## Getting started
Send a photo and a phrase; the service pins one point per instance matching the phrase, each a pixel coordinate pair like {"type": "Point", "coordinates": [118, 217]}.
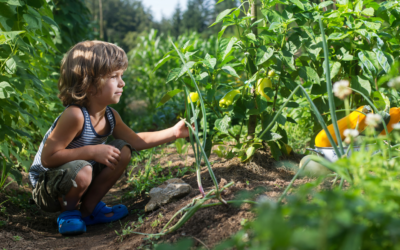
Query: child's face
{"type": "Point", "coordinates": [111, 91]}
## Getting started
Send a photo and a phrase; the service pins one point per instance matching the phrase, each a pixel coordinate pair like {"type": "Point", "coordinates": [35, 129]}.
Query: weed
{"type": "Point", "coordinates": [3, 223]}
{"type": "Point", "coordinates": [17, 238]}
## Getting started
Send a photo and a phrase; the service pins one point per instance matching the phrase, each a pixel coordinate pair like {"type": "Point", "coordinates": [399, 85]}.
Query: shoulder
{"type": "Point", "coordinates": [115, 113]}
{"type": "Point", "coordinates": [73, 116]}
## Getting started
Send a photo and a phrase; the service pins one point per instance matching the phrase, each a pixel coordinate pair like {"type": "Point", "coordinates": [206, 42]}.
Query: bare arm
{"type": "Point", "coordinates": [70, 125]}
{"type": "Point", "coordinates": [146, 140]}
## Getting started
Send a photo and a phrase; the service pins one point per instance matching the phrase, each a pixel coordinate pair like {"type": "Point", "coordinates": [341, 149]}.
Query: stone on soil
{"type": "Point", "coordinates": [171, 190]}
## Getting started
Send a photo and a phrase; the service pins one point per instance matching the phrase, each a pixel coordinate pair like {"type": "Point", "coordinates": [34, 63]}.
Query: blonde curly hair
{"type": "Point", "coordinates": [87, 64]}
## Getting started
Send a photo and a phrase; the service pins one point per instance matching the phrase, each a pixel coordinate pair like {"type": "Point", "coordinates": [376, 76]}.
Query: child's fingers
{"type": "Point", "coordinates": [113, 161]}
{"type": "Point", "coordinates": [117, 151]}
{"type": "Point", "coordinates": [110, 165]}
{"type": "Point", "coordinates": [117, 157]}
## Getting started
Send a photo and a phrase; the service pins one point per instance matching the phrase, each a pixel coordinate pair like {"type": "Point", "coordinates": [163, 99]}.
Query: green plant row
{"type": "Point", "coordinates": [33, 37]}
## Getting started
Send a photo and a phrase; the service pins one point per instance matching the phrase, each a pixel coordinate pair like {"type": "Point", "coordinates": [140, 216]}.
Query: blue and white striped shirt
{"type": "Point", "coordinates": [87, 137]}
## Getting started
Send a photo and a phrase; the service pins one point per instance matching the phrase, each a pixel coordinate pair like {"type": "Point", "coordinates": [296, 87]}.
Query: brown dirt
{"type": "Point", "coordinates": [29, 228]}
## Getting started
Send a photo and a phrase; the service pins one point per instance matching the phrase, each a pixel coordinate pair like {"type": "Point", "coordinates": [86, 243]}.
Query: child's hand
{"type": "Point", "coordinates": [180, 130]}
{"type": "Point", "coordinates": [107, 155]}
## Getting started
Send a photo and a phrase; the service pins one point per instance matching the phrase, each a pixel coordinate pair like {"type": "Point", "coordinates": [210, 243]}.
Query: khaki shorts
{"type": "Point", "coordinates": [58, 181]}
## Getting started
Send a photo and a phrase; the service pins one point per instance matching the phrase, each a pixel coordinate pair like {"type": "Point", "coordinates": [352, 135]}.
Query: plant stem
{"type": "Point", "coordinates": [332, 106]}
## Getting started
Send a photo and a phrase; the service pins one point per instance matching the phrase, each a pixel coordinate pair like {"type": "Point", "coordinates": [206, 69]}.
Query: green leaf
{"type": "Point", "coordinates": [252, 37]}
{"type": "Point", "coordinates": [10, 35]}
{"type": "Point", "coordinates": [35, 3]}
{"type": "Point", "coordinates": [361, 84]}
{"type": "Point", "coordinates": [186, 67]}
{"type": "Point", "coordinates": [368, 11]}
{"type": "Point", "coordinates": [366, 64]}
{"type": "Point", "coordinates": [264, 54]}
{"type": "Point", "coordinates": [221, 16]}
{"type": "Point", "coordinates": [173, 74]}
{"type": "Point", "coordinates": [309, 75]}
{"type": "Point", "coordinates": [12, 2]}
{"type": "Point", "coordinates": [275, 25]}
{"type": "Point", "coordinates": [11, 66]}
{"type": "Point", "coordinates": [209, 61]}
{"type": "Point", "coordinates": [161, 62]}
{"type": "Point", "coordinates": [298, 3]}
{"type": "Point", "coordinates": [335, 68]}
{"type": "Point", "coordinates": [379, 100]}
{"type": "Point", "coordinates": [168, 96]}
{"type": "Point", "coordinates": [275, 150]}
{"type": "Point", "coordinates": [382, 60]}
{"type": "Point", "coordinates": [32, 21]}
{"type": "Point", "coordinates": [16, 175]}
{"type": "Point", "coordinates": [50, 21]}
{"type": "Point", "coordinates": [338, 36]}
{"type": "Point", "coordinates": [228, 48]}
{"type": "Point", "coordinates": [324, 4]}
{"type": "Point", "coordinates": [5, 89]}
{"type": "Point", "coordinates": [223, 124]}
{"type": "Point", "coordinates": [271, 137]}
{"type": "Point", "coordinates": [230, 70]}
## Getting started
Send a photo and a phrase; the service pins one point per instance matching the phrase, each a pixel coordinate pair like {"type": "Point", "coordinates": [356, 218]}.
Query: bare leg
{"type": "Point", "coordinates": [103, 183]}
{"type": "Point", "coordinates": [83, 180]}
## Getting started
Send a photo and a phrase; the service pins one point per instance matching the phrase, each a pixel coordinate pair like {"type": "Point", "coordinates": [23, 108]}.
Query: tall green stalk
{"type": "Point", "coordinates": [332, 106]}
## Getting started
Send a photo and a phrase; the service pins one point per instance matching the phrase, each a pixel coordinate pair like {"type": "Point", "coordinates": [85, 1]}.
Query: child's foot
{"type": "Point", "coordinates": [104, 214]}
{"type": "Point", "coordinates": [70, 223]}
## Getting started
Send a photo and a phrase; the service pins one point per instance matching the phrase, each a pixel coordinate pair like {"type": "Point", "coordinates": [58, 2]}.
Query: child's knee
{"type": "Point", "coordinates": [126, 155]}
{"type": "Point", "coordinates": [84, 177]}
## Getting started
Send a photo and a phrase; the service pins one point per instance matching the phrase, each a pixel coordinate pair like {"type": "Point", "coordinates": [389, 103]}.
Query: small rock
{"type": "Point", "coordinates": [168, 192]}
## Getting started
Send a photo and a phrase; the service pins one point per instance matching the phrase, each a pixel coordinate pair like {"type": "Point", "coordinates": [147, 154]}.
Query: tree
{"type": "Point", "coordinates": [177, 21]}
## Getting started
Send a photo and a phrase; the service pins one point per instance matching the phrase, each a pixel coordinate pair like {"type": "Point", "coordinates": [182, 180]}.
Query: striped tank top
{"type": "Point", "coordinates": [87, 137]}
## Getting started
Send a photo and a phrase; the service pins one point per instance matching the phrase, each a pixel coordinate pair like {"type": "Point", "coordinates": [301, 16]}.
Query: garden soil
{"type": "Point", "coordinates": [27, 227]}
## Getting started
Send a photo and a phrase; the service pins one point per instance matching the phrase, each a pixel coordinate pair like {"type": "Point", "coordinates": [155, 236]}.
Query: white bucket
{"type": "Point", "coordinates": [330, 154]}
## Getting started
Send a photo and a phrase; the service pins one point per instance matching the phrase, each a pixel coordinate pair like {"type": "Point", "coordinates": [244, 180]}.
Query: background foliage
{"type": "Point", "coordinates": [33, 37]}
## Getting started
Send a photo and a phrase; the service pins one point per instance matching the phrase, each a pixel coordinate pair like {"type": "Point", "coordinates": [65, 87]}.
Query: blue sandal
{"type": "Point", "coordinates": [98, 214]}
{"type": "Point", "coordinates": [70, 223]}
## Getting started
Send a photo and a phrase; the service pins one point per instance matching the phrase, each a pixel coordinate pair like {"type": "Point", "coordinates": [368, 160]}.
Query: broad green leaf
{"type": "Point", "coordinates": [382, 60]}
{"type": "Point", "coordinates": [16, 175]}
{"type": "Point", "coordinates": [263, 54]}
{"type": "Point", "coordinates": [209, 61]}
{"type": "Point", "coordinates": [223, 124]}
{"type": "Point", "coordinates": [324, 4]}
{"type": "Point", "coordinates": [335, 68]}
{"type": "Point", "coordinates": [309, 75]}
{"type": "Point", "coordinates": [222, 31]}
{"type": "Point", "coordinates": [173, 74]}
{"type": "Point", "coordinates": [288, 60]}
{"type": "Point", "coordinates": [338, 36]}
{"type": "Point", "coordinates": [344, 55]}
{"type": "Point", "coordinates": [298, 3]}
{"type": "Point", "coordinates": [358, 6]}
{"type": "Point", "coordinates": [252, 37]}
{"type": "Point", "coordinates": [275, 150]}
{"type": "Point", "coordinates": [50, 21]}
{"type": "Point", "coordinates": [35, 3]}
{"type": "Point", "coordinates": [186, 67]}
{"type": "Point", "coordinates": [275, 25]}
{"type": "Point", "coordinates": [162, 61]}
{"type": "Point", "coordinates": [228, 49]}
{"type": "Point", "coordinates": [32, 21]}
{"type": "Point", "coordinates": [366, 64]}
{"type": "Point", "coordinates": [11, 66]}
{"type": "Point", "coordinates": [271, 137]}
{"type": "Point", "coordinates": [168, 96]}
{"type": "Point", "coordinates": [380, 100]}
{"type": "Point", "coordinates": [230, 70]}
{"type": "Point", "coordinates": [221, 16]}
{"type": "Point", "coordinates": [5, 89]}
{"type": "Point", "coordinates": [361, 84]}
{"type": "Point", "coordinates": [368, 11]}
{"type": "Point", "coordinates": [373, 25]}
{"type": "Point", "coordinates": [11, 34]}
{"type": "Point", "coordinates": [12, 2]}
{"type": "Point", "coordinates": [272, 16]}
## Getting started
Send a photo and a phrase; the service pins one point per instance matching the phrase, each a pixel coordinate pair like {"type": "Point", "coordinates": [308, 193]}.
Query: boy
{"type": "Point", "coordinates": [73, 163]}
